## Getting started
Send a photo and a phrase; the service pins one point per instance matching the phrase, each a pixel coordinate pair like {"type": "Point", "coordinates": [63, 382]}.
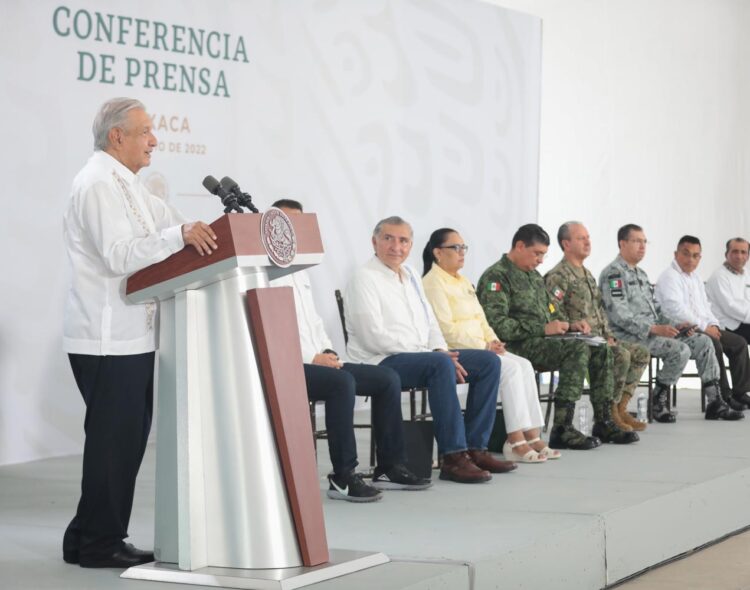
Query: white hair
{"type": "Point", "coordinates": [393, 220]}
{"type": "Point", "coordinates": [113, 113]}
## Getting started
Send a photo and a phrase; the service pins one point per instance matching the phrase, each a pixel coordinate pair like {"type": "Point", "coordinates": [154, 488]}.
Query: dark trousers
{"type": "Point", "coordinates": [742, 330]}
{"type": "Point", "coordinates": [118, 393]}
{"type": "Point", "coordinates": [337, 388]}
{"type": "Point", "coordinates": [735, 347]}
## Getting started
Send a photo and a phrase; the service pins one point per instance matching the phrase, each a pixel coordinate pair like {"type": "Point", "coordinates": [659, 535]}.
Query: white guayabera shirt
{"type": "Point", "coordinates": [113, 227]}
{"type": "Point", "coordinates": [312, 334]}
{"type": "Point", "coordinates": [729, 293]}
{"type": "Point", "coordinates": [387, 314]}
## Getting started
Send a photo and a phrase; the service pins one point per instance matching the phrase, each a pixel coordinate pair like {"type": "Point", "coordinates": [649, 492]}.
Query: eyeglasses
{"type": "Point", "coordinates": [457, 248]}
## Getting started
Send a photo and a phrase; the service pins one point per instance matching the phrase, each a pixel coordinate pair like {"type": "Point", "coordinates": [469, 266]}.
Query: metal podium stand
{"type": "Point", "coordinates": [237, 493]}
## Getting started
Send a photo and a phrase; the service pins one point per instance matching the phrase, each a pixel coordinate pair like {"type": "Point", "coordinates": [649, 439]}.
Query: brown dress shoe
{"type": "Point", "coordinates": [458, 467]}
{"type": "Point", "coordinates": [485, 460]}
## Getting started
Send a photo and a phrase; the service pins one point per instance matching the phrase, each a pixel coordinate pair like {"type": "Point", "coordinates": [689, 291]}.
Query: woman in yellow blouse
{"type": "Point", "coordinates": [464, 325]}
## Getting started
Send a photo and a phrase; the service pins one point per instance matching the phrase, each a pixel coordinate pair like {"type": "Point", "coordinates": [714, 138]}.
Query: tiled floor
{"type": "Point", "coordinates": [724, 566]}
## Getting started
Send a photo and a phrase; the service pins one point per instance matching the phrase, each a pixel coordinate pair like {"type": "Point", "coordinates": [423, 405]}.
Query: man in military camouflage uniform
{"type": "Point", "coordinates": [634, 315]}
{"type": "Point", "coordinates": [580, 300]}
{"type": "Point", "coordinates": [522, 314]}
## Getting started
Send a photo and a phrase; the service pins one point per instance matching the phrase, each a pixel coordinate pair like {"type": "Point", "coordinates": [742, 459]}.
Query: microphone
{"type": "Point", "coordinates": [243, 199]}
{"type": "Point", "coordinates": [228, 199]}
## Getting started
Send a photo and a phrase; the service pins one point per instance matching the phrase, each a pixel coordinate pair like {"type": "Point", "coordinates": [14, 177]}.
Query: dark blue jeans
{"type": "Point", "coordinates": [436, 371]}
{"type": "Point", "coordinates": [337, 388]}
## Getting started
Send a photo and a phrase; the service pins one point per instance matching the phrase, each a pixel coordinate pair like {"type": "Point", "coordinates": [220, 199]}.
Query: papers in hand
{"type": "Point", "coordinates": [587, 338]}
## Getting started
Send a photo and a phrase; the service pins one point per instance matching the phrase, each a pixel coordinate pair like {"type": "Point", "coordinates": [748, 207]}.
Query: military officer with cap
{"type": "Point", "coordinates": [520, 311]}
{"type": "Point", "coordinates": [635, 316]}
{"type": "Point", "coordinates": [579, 298]}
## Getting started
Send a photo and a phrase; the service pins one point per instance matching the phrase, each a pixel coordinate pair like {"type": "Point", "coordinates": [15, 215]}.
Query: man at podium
{"type": "Point", "coordinates": [337, 383]}
{"type": "Point", "coordinates": [113, 227]}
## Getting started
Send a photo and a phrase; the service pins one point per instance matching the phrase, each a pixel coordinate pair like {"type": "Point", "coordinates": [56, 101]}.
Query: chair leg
{"type": "Point", "coordinates": [372, 439]}
{"type": "Point", "coordinates": [313, 421]}
{"type": "Point", "coordinates": [412, 404]}
{"type": "Point", "coordinates": [650, 408]}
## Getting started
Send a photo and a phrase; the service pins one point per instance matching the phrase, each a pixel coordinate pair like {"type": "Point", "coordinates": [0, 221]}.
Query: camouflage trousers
{"type": "Point", "coordinates": [629, 362]}
{"type": "Point", "coordinates": [675, 353]}
{"type": "Point", "coordinates": [574, 360]}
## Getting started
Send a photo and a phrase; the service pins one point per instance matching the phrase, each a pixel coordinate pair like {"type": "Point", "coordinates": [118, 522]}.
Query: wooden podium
{"type": "Point", "coordinates": [238, 500]}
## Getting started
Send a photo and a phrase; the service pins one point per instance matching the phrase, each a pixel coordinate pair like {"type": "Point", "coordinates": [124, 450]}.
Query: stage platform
{"type": "Point", "coordinates": [583, 522]}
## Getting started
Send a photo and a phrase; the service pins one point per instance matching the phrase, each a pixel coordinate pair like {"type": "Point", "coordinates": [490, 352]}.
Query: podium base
{"type": "Point", "coordinates": [342, 562]}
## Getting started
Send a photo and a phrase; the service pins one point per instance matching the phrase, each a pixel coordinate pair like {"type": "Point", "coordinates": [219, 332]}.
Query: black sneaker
{"type": "Point", "coordinates": [352, 488]}
{"type": "Point", "coordinates": [398, 477]}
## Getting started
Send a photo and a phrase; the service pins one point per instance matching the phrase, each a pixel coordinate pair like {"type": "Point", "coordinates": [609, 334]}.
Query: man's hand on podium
{"type": "Point", "coordinates": [200, 236]}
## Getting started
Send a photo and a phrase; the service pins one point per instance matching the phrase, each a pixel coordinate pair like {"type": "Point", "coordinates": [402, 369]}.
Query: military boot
{"type": "Point", "coordinates": [618, 419]}
{"type": "Point", "coordinates": [622, 409]}
{"type": "Point", "coordinates": [564, 436]}
{"type": "Point", "coordinates": [661, 412]}
{"type": "Point", "coordinates": [717, 408]}
{"type": "Point", "coordinates": [607, 431]}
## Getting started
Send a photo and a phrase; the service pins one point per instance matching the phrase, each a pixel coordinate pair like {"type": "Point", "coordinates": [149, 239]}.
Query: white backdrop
{"type": "Point", "coordinates": [360, 110]}
{"type": "Point", "coordinates": [645, 119]}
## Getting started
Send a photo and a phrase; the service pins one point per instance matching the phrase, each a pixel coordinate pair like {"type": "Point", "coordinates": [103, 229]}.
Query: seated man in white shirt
{"type": "Point", "coordinates": [728, 289]}
{"type": "Point", "coordinates": [391, 324]}
{"type": "Point", "coordinates": [337, 383]}
{"type": "Point", "coordinates": [682, 296]}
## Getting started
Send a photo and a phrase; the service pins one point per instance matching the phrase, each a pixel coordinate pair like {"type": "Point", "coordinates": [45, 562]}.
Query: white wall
{"type": "Point", "coordinates": [644, 120]}
{"type": "Point", "coordinates": [359, 109]}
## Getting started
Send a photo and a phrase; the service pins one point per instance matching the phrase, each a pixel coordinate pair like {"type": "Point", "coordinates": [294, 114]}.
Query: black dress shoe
{"type": "Point", "coordinates": [123, 556]}
{"type": "Point", "coordinates": [735, 404]}
{"type": "Point", "coordinates": [70, 555]}
{"type": "Point", "coordinates": [742, 398]}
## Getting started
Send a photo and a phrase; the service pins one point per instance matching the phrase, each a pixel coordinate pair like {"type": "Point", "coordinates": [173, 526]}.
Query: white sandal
{"type": "Point", "coordinates": [546, 452]}
{"type": "Point", "coordinates": [530, 456]}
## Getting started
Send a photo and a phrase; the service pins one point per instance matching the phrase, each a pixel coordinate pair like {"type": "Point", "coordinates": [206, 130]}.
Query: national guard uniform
{"type": "Point", "coordinates": [579, 298]}
{"type": "Point", "coordinates": [631, 308]}
{"type": "Point", "coordinates": [518, 307]}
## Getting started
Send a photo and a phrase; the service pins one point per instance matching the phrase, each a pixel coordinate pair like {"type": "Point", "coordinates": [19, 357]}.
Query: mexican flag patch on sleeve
{"type": "Point", "coordinates": [615, 283]}
{"type": "Point", "coordinates": [494, 286]}
{"type": "Point", "coordinates": [558, 293]}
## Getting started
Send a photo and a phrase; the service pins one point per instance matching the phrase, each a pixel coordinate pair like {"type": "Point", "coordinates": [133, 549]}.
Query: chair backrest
{"type": "Point", "coordinates": [340, 304]}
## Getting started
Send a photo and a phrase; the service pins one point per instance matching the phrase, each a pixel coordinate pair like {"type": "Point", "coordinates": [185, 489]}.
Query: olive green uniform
{"type": "Point", "coordinates": [518, 306]}
{"type": "Point", "coordinates": [579, 298]}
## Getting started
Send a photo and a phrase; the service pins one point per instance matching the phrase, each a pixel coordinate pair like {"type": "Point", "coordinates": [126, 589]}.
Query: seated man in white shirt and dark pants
{"type": "Point", "coordinates": [681, 294]}
{"type": "Point", "coordinates": [337, 384]}
{"type": "Point", "coordinates": [728, 289]}
{"type": "Point", "coordinates": [391, 324]}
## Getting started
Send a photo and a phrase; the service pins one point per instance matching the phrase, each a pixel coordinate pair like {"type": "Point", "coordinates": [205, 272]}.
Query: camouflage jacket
{"type": "Point", "coordinates": [629, 300]}
{"type": "Point", "coordinates": [578, 296]}
{"type": "Point", "coordinates": [515, 301]}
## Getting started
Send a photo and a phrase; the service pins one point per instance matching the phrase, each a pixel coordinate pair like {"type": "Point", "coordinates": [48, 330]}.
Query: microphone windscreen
{"type": "Point", "coordinates": [211, 184]}
{"type": "Point", "coordinates": [228, 184]}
